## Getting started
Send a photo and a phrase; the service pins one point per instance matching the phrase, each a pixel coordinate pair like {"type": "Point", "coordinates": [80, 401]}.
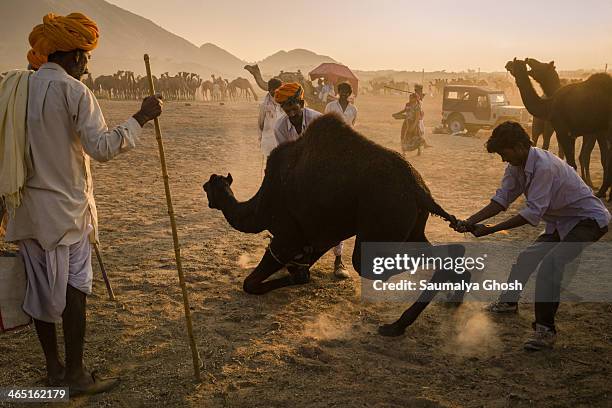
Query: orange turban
{"type": "Point", "coordinates": [59, 33]}
{"type": "Point", "coordinates": [291, 90]}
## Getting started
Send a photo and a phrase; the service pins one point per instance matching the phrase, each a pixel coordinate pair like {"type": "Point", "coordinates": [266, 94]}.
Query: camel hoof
{"type": "Point", "coordinates": [391, 330]}
{"type": "Point", "coordinates": [301, 276]}
{"type": "Point", "coordinates": [454, 299]}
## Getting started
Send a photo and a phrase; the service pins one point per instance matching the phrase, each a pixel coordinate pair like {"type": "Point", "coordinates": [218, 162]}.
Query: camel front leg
{"type": "Point", "coordinates": [588, 143]}
{"type": "Point", "coordinates": [567, 145]}
{"type": "Point", "coordinates": [256, 283]}
{"type": "Point", "coordinates": [547, 133]}
{"type": "Point", "coordinates": [605, 146]}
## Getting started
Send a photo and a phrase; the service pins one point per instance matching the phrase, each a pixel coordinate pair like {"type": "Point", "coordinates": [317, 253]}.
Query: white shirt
{"type": "Point", "coordinates": [554, 192]}
{"type": "Point", "coordinates": [65, 127]}
{"type": "Point", "coordinates": [269, 113]}
{"type": "Point", "coordinates": [285, 131]}
{"type": "Point", "coordinates": [349, 115]}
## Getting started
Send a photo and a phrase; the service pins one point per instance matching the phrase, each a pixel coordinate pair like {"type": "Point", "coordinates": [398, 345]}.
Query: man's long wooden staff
{"type": "Point", "coordinates": [177, 249]}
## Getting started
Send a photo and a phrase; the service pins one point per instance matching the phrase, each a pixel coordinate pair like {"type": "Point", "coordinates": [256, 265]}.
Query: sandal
{"type": "Point", "coordinates": [97, 386]}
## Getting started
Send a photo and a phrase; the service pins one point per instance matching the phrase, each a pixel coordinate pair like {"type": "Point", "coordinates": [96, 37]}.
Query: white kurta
{"type": "Point", "coordinates": [65, 128]}
{"type": "Point", "coordinates": [349, 115]}
{"type": "Point", "coordinates": [285, 131]}
{"type": "Point", "coordinates": [269, 113]}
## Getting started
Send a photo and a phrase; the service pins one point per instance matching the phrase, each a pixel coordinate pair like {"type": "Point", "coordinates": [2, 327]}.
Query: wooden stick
{"type": "Point", "coordinates": [396, 89]}
{"type": "Point", "coordinates": [177, 249]}
{"type": "Point", "coordinates": [109, 288]}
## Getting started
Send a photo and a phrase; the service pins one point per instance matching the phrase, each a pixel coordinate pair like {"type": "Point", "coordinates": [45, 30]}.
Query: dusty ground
{"type": "Point", "coordinates": [310, 346]}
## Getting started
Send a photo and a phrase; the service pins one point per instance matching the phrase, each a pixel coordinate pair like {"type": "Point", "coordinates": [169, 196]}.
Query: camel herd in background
{"type": "Point", "coordinates": [436, 86]}
{"type": "Point", "coordinates": [190, 86]}
{"type": "Point", "coordinates": [182, 86]}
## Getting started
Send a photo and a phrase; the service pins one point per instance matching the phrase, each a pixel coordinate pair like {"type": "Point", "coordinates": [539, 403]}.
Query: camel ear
{"type": "Point", "coordinates": [552, 64]}
{"type": "Point", "coordinates": [229, 178]}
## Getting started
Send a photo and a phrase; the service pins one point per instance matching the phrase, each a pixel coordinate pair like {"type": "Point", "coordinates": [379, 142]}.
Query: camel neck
{"type": "Point", "coordinates": [551, 85]}
{"type": "Point", "coordinates": [242, 215]}
{"type": "Point", "coordinates": [534, 104]}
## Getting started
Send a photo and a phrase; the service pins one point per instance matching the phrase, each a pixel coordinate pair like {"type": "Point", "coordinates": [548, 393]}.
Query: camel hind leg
{"type": "Point", "coordinates": [416, 235]}
{"type": "Point", "coordinates": [410, 315]}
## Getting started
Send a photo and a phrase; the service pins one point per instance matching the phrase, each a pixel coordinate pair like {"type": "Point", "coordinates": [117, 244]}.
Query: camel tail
{"type": "Point", "coordinates": [426, 200]}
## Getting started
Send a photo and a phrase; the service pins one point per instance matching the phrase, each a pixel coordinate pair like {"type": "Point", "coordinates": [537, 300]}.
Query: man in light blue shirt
{"type": "Point", "coordinates": [555, 194]}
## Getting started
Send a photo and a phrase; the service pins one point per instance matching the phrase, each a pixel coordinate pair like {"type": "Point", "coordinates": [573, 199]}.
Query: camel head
{"type": "Point", "coordinates": [540, 70]}
{"type": "Point", "coordinates": [517, 67]}
{"type": "Point", "coordinates": [216, 188]}
{"type": "Point", "coordinates": [253, 69]}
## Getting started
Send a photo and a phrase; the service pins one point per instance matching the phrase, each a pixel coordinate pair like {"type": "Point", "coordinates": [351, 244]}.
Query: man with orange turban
{"type": "Point", "coordinates": [57, 220]}
{"type": "Point", "coordinates": [290, 127]}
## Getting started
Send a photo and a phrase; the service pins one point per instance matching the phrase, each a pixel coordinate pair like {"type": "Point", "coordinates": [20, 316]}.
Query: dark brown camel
{"type": "Point", "coordinates": [545, 74]}
{"type": "Point", "coordinates": [582, 108]}
{"type": "Point", "coordinates": [324, 188]}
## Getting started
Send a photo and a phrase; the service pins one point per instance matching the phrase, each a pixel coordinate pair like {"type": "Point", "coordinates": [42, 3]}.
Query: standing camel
{"type": "Point", "coordinates": [545, 74]}
{"type": "Point", "coordinates": [207, 90]}
{"type": "Point", "coordinates": [577, 109]}
{"type": "Point", "coordinates": [245, 87]}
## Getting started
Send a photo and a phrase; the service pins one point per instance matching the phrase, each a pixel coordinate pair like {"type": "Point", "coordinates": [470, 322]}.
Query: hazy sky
{"type": "Point", "coordinates": [396, 34]}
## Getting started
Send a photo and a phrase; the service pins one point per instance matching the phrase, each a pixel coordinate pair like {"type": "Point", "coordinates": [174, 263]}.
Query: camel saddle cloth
{"type": "Point", "coordinates": [12, 292]}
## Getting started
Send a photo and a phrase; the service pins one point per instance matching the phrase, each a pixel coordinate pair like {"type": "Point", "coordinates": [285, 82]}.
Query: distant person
{"type": "Point", "coordinates": [326, 91]}
{"type": "Point", "coordinates": [319, 86]}
{"type": "Point", "coordinates": [348, 112]}
{"type": "Point", "coordinates": [291, 127]}
{"type": "Point", "coordinates": [52, 214]}
{"type": "Point", "coordinates": [554, 193]}
{"type": "Point", "coordinates": [342, 106]}
{"type": "Point", "coordinates": [269, 113]}
{"type": "Point", "coordinates": [418, 90]}
{"type": "Point", "coordinates": [411, 134]}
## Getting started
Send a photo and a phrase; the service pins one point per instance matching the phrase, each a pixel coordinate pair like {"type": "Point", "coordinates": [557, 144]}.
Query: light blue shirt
{"type": "Point", "coordinates": [554, 193]}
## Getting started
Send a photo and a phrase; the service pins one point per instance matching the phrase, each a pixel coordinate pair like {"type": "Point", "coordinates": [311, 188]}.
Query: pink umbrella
{"type": "Point", "coordinates": [335, 73]}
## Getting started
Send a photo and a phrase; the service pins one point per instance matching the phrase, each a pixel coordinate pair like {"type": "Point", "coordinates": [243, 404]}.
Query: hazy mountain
{"type": "Point", "coordinates": [125, 36]}
{"type": "Point", "coordinates": [218, 57]}
{"type": "Point", "coordinates": [293, 60]}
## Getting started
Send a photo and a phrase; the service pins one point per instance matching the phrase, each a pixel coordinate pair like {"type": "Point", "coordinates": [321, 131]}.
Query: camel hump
{"type": "Point", "coordinates": [331, 124]}
{"type": "Point", "coordinates": [602, 81]}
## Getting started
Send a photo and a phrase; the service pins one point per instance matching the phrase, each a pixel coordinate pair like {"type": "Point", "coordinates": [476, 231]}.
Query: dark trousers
{"type": "Point", "coordinates": [552, 259]}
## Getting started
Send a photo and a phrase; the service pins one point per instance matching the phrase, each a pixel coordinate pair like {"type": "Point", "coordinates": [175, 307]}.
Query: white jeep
{"type": "Point", "coordinates": [472, 108]}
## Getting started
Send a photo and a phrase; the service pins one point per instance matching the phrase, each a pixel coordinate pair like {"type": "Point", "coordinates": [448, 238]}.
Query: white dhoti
{"type": "Point", "coordinates": [268, 141]}
{"type": "Point", "coordinates": [50, 272]}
